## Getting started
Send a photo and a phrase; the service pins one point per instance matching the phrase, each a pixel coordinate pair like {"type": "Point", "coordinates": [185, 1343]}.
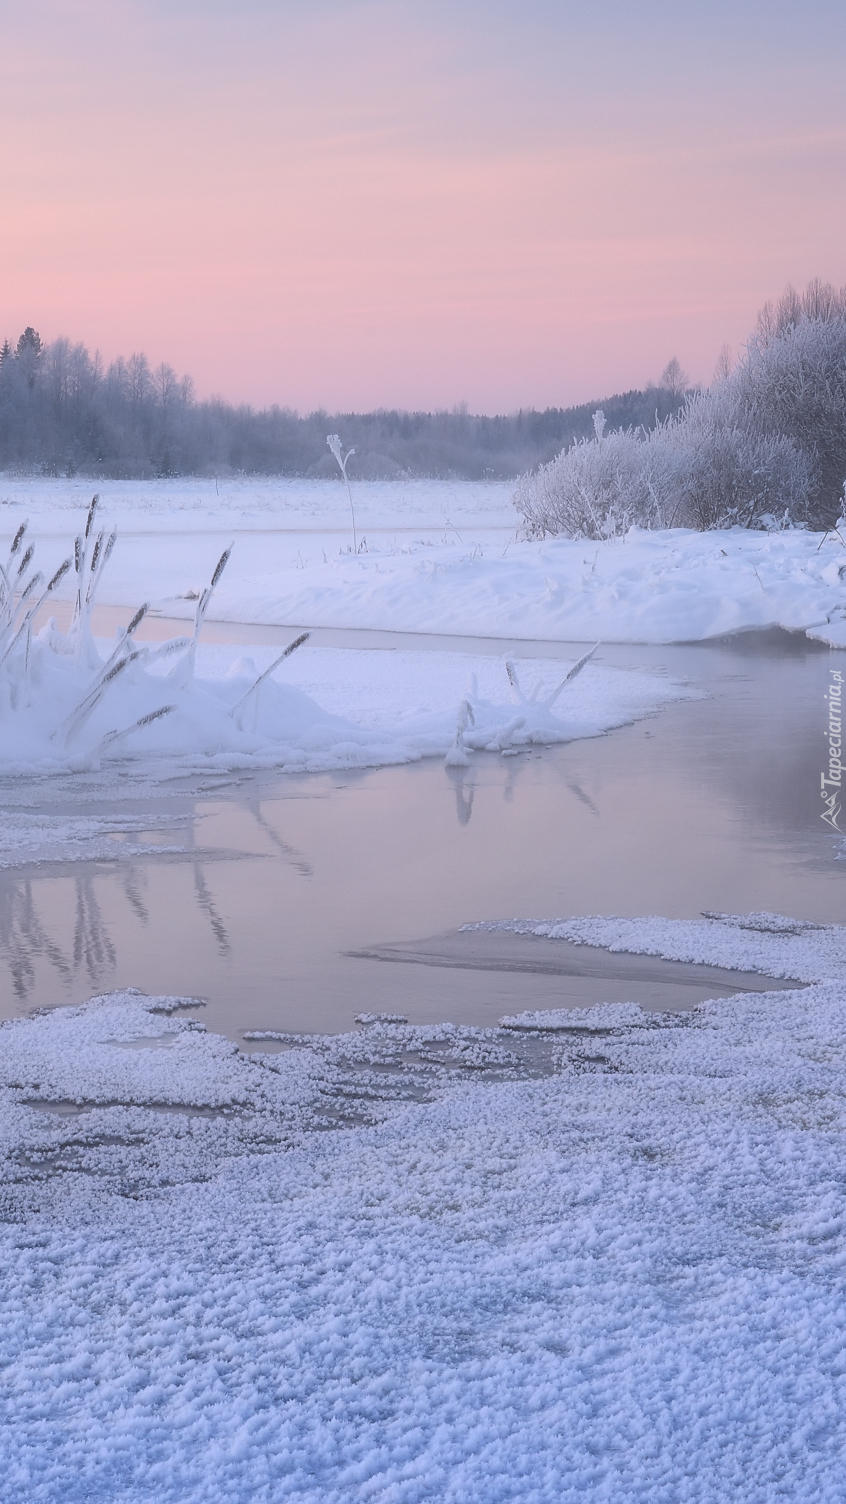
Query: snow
{"type": "Point", "coordinates": [411, 1264]}
{"type": "Point", "coordinates": [388, 708]}
{"type": "Point", "coordinates": [188, 503]}
{"type": "Point", "coordinates": [671, 586]}
{"type": "Point", "coordinates": [438, 557]}
{"type": "Point", "coordinates": [40, 836]}
{"type": "Point", "coordinates": [770, 943]}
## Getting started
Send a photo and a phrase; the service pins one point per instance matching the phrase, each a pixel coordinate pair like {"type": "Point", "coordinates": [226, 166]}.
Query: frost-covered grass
{"type": "Point", "coordinates": [69, 702]}
{"type": "Point", "coordinates": [437, 1264]}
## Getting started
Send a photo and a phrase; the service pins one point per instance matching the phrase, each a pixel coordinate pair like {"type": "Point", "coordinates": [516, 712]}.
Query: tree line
{"type": "Point", "coordinates": [64, 412]}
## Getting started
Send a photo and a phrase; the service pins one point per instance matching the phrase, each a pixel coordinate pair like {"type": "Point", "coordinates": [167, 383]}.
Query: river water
{"type": "Point", "coordinates": [712, 804]}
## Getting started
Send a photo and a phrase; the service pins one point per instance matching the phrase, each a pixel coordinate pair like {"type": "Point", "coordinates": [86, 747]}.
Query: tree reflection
{"type": "Point", "coordinates": [92, 944]}
{"type": "Point", "coordinates": [24, 940]}
{"type": "Point", "coordinates": [206, 904]}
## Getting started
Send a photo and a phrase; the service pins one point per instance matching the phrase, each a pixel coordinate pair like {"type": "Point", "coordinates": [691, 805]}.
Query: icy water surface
{"type": "Point", "coordinates": [266, 886]}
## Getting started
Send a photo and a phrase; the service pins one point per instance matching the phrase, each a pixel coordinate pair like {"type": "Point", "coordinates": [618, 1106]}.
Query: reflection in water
{"type": "Point", "coordinates": [465, 788]}
{"type": "Point", "coordinates": [582, 797]}
{"type": "Point", "coordinates": [131, 880]}
{"type": "Point", "coordinates": [92, 952]}
{"type": "Point", "coordinates": [296, 858]}
{"type": "Point", "coordinates": [205, 903]}
{"type": "Point", "coordinates": [464, 783]}
{"type": "Point", "coordinates": [24, 939]}
{"type": "Point", "coordinates": [92, 944]}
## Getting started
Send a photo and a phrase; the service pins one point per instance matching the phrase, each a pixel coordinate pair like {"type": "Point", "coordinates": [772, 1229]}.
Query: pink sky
{"type": "Point", "coordinates": [350, 205]}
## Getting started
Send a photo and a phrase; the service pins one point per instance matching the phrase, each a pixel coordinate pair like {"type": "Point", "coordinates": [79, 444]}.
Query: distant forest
{"type": "Point", "coordinates": [62, 412]}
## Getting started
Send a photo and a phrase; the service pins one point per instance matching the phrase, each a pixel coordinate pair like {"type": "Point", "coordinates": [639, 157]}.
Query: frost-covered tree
{"type": "Point", "coordinates": [766, 443]}
{"type": "Point", "coordinates": [792, 384]}
{"type": "Point", "coordinates": [29, 353]}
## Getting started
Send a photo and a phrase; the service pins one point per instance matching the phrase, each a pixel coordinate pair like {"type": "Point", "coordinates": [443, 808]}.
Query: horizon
{"type": "Point", "coordinates": [355, 207]}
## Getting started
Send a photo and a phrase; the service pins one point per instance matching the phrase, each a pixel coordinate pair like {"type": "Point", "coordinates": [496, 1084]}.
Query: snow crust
{"type": "Point", "coordinates": [41, 836]}
{"type": "Point", "coordinates": [413, 1264]}
{"type": "Point", "coordinates": [770, 943]}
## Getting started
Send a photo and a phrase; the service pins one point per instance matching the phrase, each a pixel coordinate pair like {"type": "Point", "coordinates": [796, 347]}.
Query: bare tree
{"type": "Point", "coordinates": [674, 379]}
{"type": "Point", "coordinates": [725, 363]}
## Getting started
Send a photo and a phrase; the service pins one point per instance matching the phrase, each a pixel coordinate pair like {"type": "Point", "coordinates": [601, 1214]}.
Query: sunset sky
{"type": "Point", "coordinates": [418, 203]}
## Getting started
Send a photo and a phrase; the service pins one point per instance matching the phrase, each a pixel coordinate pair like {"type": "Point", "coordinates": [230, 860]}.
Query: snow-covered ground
{"type": "Point", "coordinates": [601, 1261]}
{"type": "Point", "coordinates": [273, 502]}
{"type": "Point", "coordinates": [677, 586]}
{"type": "Point", "coordinates": [438, 557]}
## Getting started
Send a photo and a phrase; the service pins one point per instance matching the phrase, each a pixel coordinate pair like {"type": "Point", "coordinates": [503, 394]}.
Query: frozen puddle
{"type": "Point", "coordinates": [576, 976]}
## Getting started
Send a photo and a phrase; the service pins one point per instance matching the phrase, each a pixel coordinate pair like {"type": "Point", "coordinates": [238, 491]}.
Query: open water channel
{"type": "Point", "coordinates": [298, 902]}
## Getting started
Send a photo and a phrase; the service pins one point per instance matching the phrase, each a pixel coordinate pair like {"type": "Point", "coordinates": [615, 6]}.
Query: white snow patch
{"type": "Point", "coordinates": [622, 1279]}
{"type": "Point", "coordinates": [386, 708]}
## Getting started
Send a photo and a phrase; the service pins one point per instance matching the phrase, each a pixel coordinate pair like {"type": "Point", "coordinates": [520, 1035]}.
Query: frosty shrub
{"type": "Point", "coordinates": [766, 445]}
{"type": "Point", "coordinates": [792, 383]}
{"type": "Point", "coordinates": [728, 475]}
{"type": "Point", "coordinates": [601, 487]}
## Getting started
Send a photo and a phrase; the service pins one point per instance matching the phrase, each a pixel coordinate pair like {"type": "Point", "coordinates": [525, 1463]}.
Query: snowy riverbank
{"type": "Point", "coordinates": [437, 557]}
{"type": "Point", "coordinates": [432, 1263]}
{"type": "Point", "coordinates": [67, 703]}
{"type": "Point", "coordinates": [675, 586]}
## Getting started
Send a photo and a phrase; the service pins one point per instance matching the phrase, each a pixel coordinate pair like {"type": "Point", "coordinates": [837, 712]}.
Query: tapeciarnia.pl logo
{"type": "Point", "coordinates": [830, 782]}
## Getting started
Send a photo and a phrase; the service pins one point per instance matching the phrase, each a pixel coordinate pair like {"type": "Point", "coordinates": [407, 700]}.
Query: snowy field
{"type": "Point", "coordinates": [589, 1255]}
{"type": "Point", "coordinates": [437, 557]}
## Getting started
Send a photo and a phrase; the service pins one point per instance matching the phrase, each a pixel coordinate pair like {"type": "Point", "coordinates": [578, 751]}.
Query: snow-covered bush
{"type": "Point", "coordinates": [723, 472]}
{"type": "Point", "coordinates": [768, 440]}
{"type": "Point", "coordinates": [601, 487]}
{"type": "Point", "coordinates": [792, 384]}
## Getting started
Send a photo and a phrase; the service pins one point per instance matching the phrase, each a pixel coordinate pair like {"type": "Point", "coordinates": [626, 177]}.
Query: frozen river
{"type": "Point", "coordinates": [275, 881]}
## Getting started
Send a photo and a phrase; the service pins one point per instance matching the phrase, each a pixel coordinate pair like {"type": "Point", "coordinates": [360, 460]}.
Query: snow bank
{"type": "Point", "coordinates": [656, 587]}
{"type": "Point", "coordinates": [161, 711]}
{"type": "Point", "coordinates": [440, 1264]}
